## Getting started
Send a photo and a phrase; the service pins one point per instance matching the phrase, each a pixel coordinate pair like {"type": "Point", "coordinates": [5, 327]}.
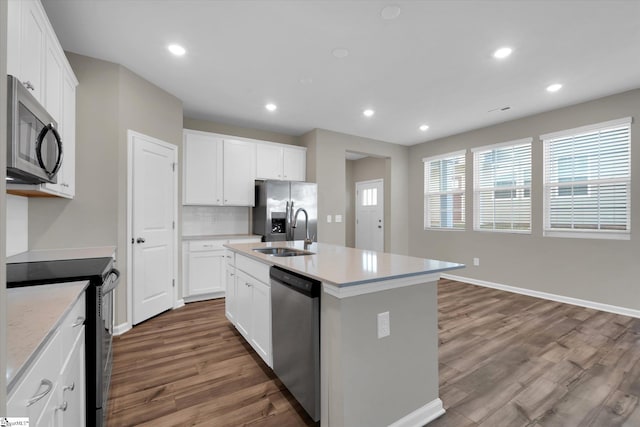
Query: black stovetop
{"type": "Point", "coordinates": [44, 272]}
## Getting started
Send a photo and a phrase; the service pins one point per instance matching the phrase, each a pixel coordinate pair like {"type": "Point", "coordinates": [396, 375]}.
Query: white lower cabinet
{"type": "Point", "coordinates": [52, 391]}
{"type": "Point", "coordinates": [250, 307]}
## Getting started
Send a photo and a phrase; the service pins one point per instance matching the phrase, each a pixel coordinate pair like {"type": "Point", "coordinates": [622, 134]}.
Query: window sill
{"type": "Point", "coordinates": [577, 234]}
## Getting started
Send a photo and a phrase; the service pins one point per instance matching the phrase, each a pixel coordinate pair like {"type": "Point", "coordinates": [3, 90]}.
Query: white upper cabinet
{"type": "Point", "coordinates": [295, 164]}
{"type": "Point", "coordinates": [202, 169]}
{"type": "Point", "coordinates": [26, 39]}
{"type": "Point", "coordinates": [239, 172]}
{"type": "Point", "coordinates": [278, 161]}
{"type": "Point", "coordinates": [218, 171]}
{"type": "Point", "coordinates": [35, 57]}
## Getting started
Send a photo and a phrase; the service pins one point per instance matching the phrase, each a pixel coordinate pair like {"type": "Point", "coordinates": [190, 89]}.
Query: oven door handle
{"type": "Point", "coordinates": [111, 285]}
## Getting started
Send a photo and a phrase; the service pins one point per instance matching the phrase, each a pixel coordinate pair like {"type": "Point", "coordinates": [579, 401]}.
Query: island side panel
{"type": "Point", "coordinates": [376, 382]}
{"type": "Point", "coordinates": [331, 375]}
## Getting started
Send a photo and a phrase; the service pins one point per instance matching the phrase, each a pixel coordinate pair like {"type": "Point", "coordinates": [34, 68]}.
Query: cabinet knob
{"type": "Point", "coordinates": [69, 387]}
{"type": "Point", "coordinates": [140, 240]}
{"type": "Point", "coordinates": [62, 407]}
{"type": "Point", "coordinates": [29, 85]}
{"type": "Point", "coordinates": [79, 321]}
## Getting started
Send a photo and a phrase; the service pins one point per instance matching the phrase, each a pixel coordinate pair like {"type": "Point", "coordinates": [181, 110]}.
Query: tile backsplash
{"type": "Point", "coordinates": [212, 220]}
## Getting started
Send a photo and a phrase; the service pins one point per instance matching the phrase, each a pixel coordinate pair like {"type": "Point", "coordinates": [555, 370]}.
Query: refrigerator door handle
{"type": "Point", "coordinates": [287, 226]}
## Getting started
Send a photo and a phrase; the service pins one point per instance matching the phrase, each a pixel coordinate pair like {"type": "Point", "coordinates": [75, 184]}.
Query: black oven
{"type": "Point", "coordinates": [103, 279]}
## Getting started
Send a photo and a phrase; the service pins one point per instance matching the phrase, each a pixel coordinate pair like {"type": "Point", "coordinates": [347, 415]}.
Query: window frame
{"type": "Point", "coordinates": [520, 191]}
{"type": "Point", "coordinates": [426, 214]}
{"type": "Point", "coordinates": [546, 139]}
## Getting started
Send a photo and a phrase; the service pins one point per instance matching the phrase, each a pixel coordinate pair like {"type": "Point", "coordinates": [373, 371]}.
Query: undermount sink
{"type": "Point", "coordinates": [283, 251]}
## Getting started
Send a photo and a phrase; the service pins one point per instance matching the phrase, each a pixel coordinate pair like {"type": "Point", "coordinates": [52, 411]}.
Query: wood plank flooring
{"type": "Point", "coordinates": [190, 367]}
{"type": "Point", "coordinates": [505, 360]}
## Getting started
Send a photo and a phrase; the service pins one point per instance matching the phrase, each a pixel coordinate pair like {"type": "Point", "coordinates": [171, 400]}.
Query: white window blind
{"type": "Point", "coordinates": [502, 187]}
{"type": "Point", "coordinates": [444, 185]}
{"type": "Point", "coordinates": [587, 181]}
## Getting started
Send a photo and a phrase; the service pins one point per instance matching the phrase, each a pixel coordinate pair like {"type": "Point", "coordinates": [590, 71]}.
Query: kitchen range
{"type": "Point", "coordinates": [26, 270]}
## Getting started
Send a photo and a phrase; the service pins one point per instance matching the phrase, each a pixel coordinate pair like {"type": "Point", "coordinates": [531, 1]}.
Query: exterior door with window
{"type": "Point", "coordinates": [370, 215]}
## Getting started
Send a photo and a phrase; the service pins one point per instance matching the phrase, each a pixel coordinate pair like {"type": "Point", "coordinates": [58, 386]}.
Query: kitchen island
{"type": "Point", "coordinates": [366, 380]}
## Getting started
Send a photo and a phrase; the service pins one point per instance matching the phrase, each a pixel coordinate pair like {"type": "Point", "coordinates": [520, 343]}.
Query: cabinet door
{"type": "Point", "coordinates": [68, 131]}
{"type": "Point", "coordinates": [243, 305]}
{"type": "Point", "coordinates": [202, 170]}
{"type": "Point", "coordinates": [230, 295]}
{"type": "Point", "coordinates": [295, 164]}
{"type": "Point", "coordinates": [261, 320]}
{"type": "Point", "coordinates": [32, 46]}
{"type": "Point", "coordinates": [72, 383]}
{"type": "Point", "coordinates": [268, 161]}
{"type": "Point", "coordinates": [239, 172]}
{"type": "Point", "coordinates": [206, 272]}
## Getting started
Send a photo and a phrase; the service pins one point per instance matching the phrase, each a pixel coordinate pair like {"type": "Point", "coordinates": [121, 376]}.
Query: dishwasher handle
{"type": "Point", "coordinates": [295, 281]}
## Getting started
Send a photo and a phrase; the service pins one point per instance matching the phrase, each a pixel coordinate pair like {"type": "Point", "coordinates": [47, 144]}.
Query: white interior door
{"type": "Point", "coordinates": [370, 215]}
{"type": "Point", "coordinates": [154, 204]}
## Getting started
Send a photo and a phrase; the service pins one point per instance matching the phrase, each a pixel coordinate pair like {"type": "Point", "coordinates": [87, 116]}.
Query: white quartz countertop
{"type": "Point", "coordinates": [222, 237]}
{"type": "Point", "coordinates": [33, 314]}
{"type": "Point", "coordinates": [62, 254]}
{"type": "Point", "coordinates": [342, 266]}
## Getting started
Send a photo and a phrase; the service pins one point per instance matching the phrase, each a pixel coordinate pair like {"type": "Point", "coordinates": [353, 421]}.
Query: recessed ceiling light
{"type": "Point", "coordinates": [306, 80]}
{"type": "Point", "coordinates": [368, 112]}
{"type": "Point", "coordinates": [390, 12]}
{"type": "Point", "coordinates": [554, 87]}
{"type": "Point", "coordinates": [340, 52]}
{"type": "Point", "coordinates": [502, 53]}
{"type": "Point", "coordinates": [271, 107]}
{"type": "Point", "coordinates": [424, 128]}
{"type": "Point", "coordinates": [176, 49]}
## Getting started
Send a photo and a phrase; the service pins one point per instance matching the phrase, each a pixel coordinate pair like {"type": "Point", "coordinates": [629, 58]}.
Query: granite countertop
{"type": "Point", "coordinates": [342, 266]}
{"type": "Point", "coordinates": [33, 314]}
{"type": "Point", "coordinates": [222, 237]}
{"type": "Point", "coordinates": [62, 254]}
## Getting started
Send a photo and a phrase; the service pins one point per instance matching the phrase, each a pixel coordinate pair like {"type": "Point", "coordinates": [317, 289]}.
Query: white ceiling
{"type": "Point", "coordinates": [433, 64]}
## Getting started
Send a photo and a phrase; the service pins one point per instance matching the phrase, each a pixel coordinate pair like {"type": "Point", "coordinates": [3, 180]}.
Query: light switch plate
{"type": "Point", "coordinates": [338, 218]}
{"type": "Point", "coordinates": [329, 218]}
{"type": "Point", "coordinates": [384, 325]}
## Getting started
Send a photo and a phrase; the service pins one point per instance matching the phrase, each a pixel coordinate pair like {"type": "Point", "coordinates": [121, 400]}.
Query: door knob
{"type": "Point", "coordinates": [140, 240]}
{"type": "Point", "coordinates": [379, 226]}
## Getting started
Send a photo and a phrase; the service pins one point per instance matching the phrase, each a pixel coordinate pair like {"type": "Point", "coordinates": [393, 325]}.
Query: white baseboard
{"type": "Point", "coordinates": [202, 297]}
{"type": "Point", "coordinates": [121, 328]}
{"type": "Point", "coordinates": [421, 416]}
{"type": "Point", "coordinates": [179, 303]}
{"type": "Point", "coordinates": [544, 295]}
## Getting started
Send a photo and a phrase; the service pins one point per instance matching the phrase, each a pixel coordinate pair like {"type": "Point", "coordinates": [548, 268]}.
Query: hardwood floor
{"type": "Point", "coordinates": [512, 360]}
{"type": "Point", "coordinates": [190, 367]}
{"type": "Point", "coordinates": [505, 360]}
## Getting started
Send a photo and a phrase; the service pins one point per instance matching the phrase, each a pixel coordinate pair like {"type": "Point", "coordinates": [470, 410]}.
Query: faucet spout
{"type": "Point", "coordinates": [307, 240]}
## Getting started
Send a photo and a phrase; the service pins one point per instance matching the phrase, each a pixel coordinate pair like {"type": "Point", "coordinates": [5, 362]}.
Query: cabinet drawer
{"type": "Point", "coordinates": [253, 268]}
{"type": "Point", "coordinates": [39, 381]}
{"type": "Point", "coordinates": [206, 245]}
{"type": "Point", "coordinates": [72, 324]}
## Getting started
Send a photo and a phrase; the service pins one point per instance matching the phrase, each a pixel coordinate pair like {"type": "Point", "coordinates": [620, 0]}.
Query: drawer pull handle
{"type": "Point", "coordinates": [69, 387]}
{"type": "Point", "coordinates": [62, 407]}
{"type": "Point", "coordinates": [79, 321]}
{"type": "Point", "coordinates": [45, 382]}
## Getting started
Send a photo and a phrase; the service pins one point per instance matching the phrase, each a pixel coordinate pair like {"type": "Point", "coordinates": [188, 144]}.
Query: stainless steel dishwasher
{"type": "Point", "coordinates": [295, 318]}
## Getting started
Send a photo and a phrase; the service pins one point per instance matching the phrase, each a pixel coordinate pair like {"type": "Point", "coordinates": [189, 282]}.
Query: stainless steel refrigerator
{"type": "Point", "coordinates": [276, 204]}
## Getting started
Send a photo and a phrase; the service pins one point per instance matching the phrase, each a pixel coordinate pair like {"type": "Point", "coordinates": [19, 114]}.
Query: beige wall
{"type": "Point", "coordinates": [263, 135]}
{"type": "Point", "coordinates": [326, 164]}
{"type": "Point", "coordinates": [604, 271]}
{"type": "Point", "coordinates": [110, 100]}
{"type": "Point", "coordinates": [366, 169]}
{"type": "Point", "coordinates": [3, 166]}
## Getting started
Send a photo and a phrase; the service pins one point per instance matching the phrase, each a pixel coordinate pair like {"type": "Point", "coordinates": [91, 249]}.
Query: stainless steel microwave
{"type": "Point", "coordinates": [34, 147]}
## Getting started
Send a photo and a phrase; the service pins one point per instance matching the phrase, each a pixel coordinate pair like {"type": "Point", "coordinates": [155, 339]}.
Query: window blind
{"type": "Point", "coordinates": [587, 181]}
{"type": "Point", "coordinates": [444, 191]}
{"type": "Point", "coordinates": [502, 187]}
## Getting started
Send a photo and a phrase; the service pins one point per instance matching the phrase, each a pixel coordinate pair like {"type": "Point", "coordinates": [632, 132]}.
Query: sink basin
{"type": "Point", "coordinates": [283, 251]}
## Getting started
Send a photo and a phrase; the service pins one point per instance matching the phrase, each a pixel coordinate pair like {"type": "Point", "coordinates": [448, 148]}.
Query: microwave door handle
{"type": "Point", "coordinates": [41, 136]}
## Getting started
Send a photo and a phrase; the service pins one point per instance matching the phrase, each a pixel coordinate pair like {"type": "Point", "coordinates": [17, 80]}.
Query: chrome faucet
{"type": "Point", "coordinates": [307, 240]}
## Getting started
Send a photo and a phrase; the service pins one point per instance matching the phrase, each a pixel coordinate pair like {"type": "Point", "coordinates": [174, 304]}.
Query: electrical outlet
{"type": "Point", "coordinates": [476, 262]}
{"type": "Point", "coordinates": [329, 218]}
{"type": "Point", "coordinates": [338, 218]}
{"type": "Point", "coordinates": [384, 325]}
